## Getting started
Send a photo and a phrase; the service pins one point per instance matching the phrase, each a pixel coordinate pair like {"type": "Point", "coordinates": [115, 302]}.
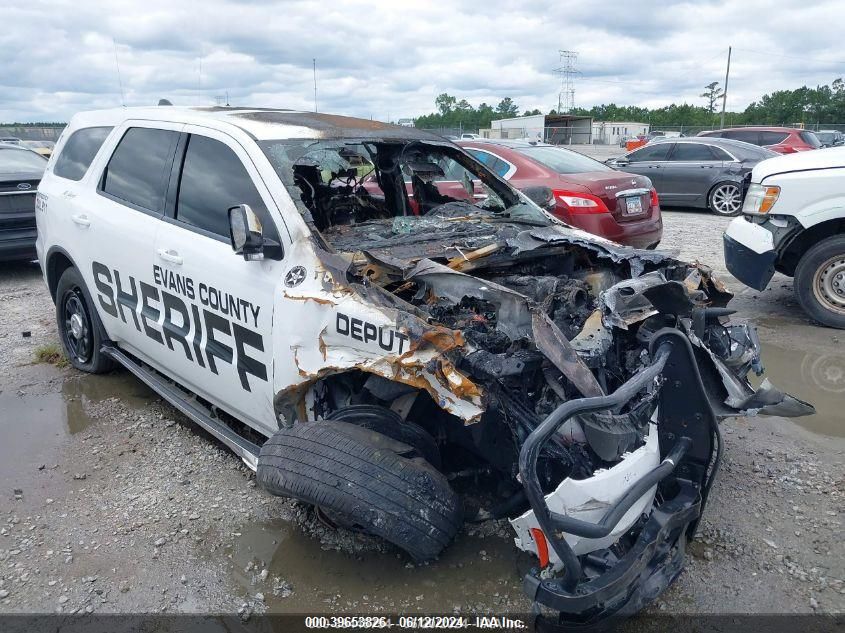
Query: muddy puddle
{"type": "Point", "coordinates": [482, 571]}
{"type": "Point", "coordinates": [818, 378]}
{"type": "Point", "coordinates": [34, 424]}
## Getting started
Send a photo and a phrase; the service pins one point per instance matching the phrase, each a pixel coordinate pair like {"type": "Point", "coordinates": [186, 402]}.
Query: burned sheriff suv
{"type": "Point", "coordinates": [384, 329]}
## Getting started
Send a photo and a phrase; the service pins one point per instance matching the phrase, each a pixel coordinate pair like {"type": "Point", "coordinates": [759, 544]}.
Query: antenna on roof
{"type": "Point", "coordinates": [119, 80]}
{"type": "Point", "coordinates": [315, 83]}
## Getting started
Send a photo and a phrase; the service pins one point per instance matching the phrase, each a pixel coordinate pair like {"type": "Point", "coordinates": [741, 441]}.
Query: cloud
{"type": "Point", "coordinates": [379, 58]}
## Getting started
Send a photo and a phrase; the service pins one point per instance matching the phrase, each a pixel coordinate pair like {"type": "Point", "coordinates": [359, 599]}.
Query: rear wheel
{"type": "Point", "coordinates": [725, 199]}
{"type": "Point", "coordinates": [79, 331]}
{"type": "Point", "coordinates": [364, 480]}
{"type": "Point", "coordinates": [820, 282]}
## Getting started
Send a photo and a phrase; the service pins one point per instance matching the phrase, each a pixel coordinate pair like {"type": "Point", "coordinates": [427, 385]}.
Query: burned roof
{"type": "Point", "coordinates": [260, 122]}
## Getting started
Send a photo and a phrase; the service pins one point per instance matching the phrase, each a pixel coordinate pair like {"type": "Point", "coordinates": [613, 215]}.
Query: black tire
{"type": "Point", "coordinates": [387, 422]}
{"type": "Point", "coordinates": [820, 282]}
{"type": "Point", "coordinates": [367, 479]}
{"type": "Point", "coordinates": [725, 199]}
{"type": "Point", "coordinates": [80, 331]}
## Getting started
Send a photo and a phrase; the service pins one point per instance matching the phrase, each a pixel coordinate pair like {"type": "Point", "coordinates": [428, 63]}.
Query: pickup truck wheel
{"type": "Point", "coordinates": [820, 282]}
{"type": "Point", "coordinates": [364, 480]}
{"type": "Point", "coordinates": [79, 331]}
{"type": "Point", "coordinates": [388, 422]}
{"type": "Point", "coordinates": [725, 199]}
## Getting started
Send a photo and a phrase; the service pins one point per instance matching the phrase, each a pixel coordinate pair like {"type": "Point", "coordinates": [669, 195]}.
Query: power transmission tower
{"type": "Point", "coordinates": [567, 73]}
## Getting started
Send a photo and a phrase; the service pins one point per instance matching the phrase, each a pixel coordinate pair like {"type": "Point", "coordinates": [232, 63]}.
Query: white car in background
{"type": "Point", "coordinates": [794, 223]}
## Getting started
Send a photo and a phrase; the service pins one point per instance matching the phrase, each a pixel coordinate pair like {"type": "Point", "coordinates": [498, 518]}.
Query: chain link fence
{"type": "Point", "coordinates": [32, 132]}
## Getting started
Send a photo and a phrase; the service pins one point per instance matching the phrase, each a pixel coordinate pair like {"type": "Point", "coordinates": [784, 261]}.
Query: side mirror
{"type": "Point", "coordinates": [617, 162]}
{"type": "Point", "coordinates": [245, 232]}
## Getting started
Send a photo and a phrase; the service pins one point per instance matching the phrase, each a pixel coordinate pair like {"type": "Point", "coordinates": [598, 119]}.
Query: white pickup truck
{"type": "Point", "coordinates": [794, 222]}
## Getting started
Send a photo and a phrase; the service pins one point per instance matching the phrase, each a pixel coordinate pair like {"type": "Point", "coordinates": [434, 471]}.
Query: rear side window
{"type": "Point", "coordinates": [691, 152]}
{"type": "Point", "coordinates": [720, 154]}
{"type": "Point", "coordinates": [748, 136]}
{"type": "Point", "coordinates": [658, 151]}
{"type": "Point", "coordinates": [494, 164]}
{"type": "Point", "coordinates": [213, 181]}
{"type": "Point", "coordinates": [78, 152]}
{"type": "Point", "coordinates": [810, 139]}
{"type": "Point", "coordinates": [138, 170]}
{"type": "Point", "coordinates": [772, 138]}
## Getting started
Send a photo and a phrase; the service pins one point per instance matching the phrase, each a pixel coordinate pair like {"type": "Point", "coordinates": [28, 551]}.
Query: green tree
{"type": "Point", "coordinates": [444, 103]}
{"type": "Point", "coordinates": [506, 108]}
{"type": "Point", "coordinates": [712, 93]}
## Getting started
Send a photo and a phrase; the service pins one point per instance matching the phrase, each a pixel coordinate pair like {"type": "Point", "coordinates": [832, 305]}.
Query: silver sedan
{"type": "Point", "coordinates": [696, 172]}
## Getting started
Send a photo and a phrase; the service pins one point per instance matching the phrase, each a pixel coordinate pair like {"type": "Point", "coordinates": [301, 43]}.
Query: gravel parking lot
{"type": "Point", "coordinates": [112, 502]}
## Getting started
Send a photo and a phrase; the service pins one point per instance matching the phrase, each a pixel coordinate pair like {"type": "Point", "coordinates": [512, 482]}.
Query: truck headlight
{"type": "Point", "coordinates": [760, 199]}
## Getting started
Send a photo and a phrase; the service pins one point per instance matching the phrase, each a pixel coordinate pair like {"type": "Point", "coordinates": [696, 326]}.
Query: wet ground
{"type": "Point", "coordinates": [110, 502]}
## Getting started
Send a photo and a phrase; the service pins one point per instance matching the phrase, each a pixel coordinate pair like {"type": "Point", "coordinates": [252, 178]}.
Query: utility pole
{"type": "Point", "coordinates": [315, 83]}
{"type": "Point", "coordinates": [567, 73]}
{"type": "Point", "coordinates": [725, 91]}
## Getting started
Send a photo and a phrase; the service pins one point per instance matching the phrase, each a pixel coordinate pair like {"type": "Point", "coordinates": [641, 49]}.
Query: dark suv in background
{"type": "Point", "coordinates": [20, 172]}
{"type": "Point", "coordinates": [783, 140]}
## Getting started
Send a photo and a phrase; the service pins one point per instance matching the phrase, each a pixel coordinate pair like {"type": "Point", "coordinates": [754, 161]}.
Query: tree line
{"type": "Point", "coordinates": [822, 104]}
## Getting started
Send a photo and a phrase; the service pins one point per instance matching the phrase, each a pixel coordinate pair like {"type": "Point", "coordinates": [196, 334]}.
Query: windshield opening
{"type": "Point", "coordinates": [408, 187]}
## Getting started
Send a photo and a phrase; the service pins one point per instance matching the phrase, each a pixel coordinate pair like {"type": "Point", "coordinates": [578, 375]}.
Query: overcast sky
{"type": "Point", "coordinates": [379, 59]}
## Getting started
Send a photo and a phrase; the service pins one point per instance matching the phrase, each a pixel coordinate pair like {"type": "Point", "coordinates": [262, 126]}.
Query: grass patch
{"type": "Point", "coordinates": [51, 354]}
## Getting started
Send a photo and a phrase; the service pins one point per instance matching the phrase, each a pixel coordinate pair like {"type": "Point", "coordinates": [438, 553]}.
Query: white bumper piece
{"type": "Point", "coordinates": [750, 235]}
{"type": "Point", "coordinates": [590, 499]}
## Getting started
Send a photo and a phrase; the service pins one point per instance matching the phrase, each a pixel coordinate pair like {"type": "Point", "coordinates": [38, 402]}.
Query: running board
{"type": "Point", "coordinates": [198, 413]}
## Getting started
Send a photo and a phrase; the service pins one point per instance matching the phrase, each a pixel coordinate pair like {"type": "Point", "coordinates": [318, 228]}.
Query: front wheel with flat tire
{"type": "Point", "coordinates": [725, 199]}
{"type": "Point", "coordinates": [365, 481]}
{"type": "Point", "coordinates": [820, 282]}
{"type": "Point", "coordinates": [78, 330]}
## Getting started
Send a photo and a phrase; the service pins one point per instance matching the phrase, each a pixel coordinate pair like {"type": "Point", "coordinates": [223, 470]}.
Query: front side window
{"type": "Point", "coordinates": [214, 180]}
{"type": "Point", "coordinates": [691, 152]}
{"type": "Point", "coordinates": [138, 170]}
{"type": "Point", "coordinates": [658, 151]}
{"type": "Point", "coordinates": [747, 136]}
{"type": "Point", "coordinates": [79, 151]}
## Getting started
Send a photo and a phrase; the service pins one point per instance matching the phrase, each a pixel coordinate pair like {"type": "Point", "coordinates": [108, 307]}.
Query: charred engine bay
{"type": "Point", "coordinates": [454, 246]}
{"type": "Point", "coordinates": [488, 290]}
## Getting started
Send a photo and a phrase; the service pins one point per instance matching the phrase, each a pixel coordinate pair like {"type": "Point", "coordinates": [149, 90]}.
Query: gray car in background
{"type": "Point", "coordinates": [696, 172]}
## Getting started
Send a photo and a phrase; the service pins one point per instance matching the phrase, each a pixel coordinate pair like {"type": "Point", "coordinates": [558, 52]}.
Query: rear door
{"type": "Point", "coordinates": [689, 173]}
{"type": "Point", "coordinates": [216, 309]}
{"type": "Point", "coordinates": [112, 220]}
{"type": "Point", "coordinates": [647, 161]}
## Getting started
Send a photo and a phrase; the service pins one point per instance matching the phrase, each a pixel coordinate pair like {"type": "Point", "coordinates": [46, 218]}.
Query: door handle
{"type": "Point", "coordinates": [81, 219]}
{"type": "Point", "coordinates": [654, 166]}
{"type": "Point", "coordinates": [707, 166]}
{"type": "Point", "coordinates": [169, 255]}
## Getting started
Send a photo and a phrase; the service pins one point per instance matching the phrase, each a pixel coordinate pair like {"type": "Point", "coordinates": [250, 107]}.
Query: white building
{"type": "Point", "coordinates": [559, 129]}
{"type": "Point", "coordinates": [615, 132]}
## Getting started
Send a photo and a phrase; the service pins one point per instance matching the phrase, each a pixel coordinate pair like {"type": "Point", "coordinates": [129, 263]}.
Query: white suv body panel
{"type": "Point", "coordinates": [812, 191]}
{"type": "Point", "coordinates": [133, 243]}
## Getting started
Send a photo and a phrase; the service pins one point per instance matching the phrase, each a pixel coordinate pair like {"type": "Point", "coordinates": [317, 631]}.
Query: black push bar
{"type": "Point", "coordinates": [533, 444]}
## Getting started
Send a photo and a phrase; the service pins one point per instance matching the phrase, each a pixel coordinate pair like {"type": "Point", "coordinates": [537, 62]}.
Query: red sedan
{"type": "Point", "coordinates": [585, 193]}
